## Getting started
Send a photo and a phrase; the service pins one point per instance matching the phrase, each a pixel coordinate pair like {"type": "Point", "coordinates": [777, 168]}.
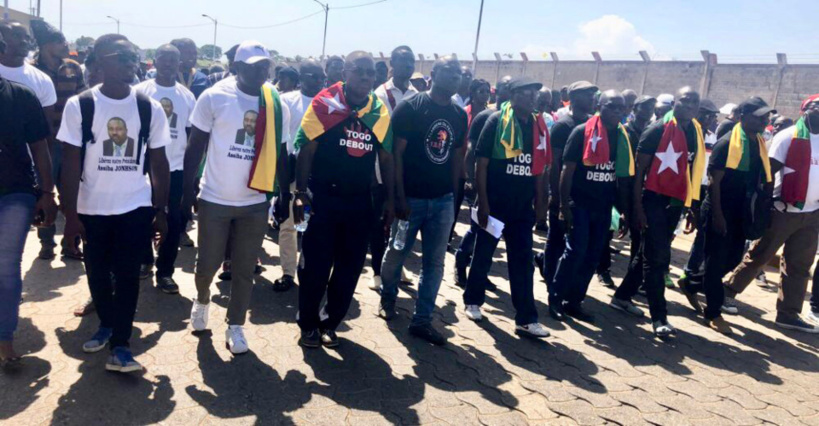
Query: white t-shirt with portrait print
{"type": "Point", "coordinates": [229, 115]}
{"type": "Point", "coordinates": [177, 101]}
{"type": "Point", "coordinates": [112, 181]}
{"type": "Point", "coordinates": [28, 75]}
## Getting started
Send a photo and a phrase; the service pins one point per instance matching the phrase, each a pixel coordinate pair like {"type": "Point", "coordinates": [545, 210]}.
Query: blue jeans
{"type": "Point", "coordinates": [16, 214]}
{"type": "Point", "coordinates": [434, 219]}
{"type": "Point", "coordinates": [584, 242]}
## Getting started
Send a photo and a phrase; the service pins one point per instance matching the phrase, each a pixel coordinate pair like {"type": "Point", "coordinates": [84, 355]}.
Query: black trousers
{"type": "Point", "coordinates": [378, 236]}
{"type": "Point", "coordinates": [604, 265]}
{"type": "Point", "coordinates": [336, 240]}
{"type": "Point", "coordinates": [169, 249]}
{"type": "Point", "coordinates": [651, 262]}
{"type": "Point", "coordinates": [555, 245]}
{"type": "Point", "coordinates": [112, 268]}
{"type": "Point", "coordinates": [722, 254]}
{"type": "Point", "coordinates": [459, 199]}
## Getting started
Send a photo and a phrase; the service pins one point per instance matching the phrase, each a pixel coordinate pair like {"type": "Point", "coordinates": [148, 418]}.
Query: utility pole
{"type": "Point", "coordinates": [115, 20]}
{"type": "Point", "coordinates": [326, 8]}
{"type": "Point", "coordinates": [61, 15]}
{"type": "Point", "coordinates": [215, 24]}
{"type": "Point", "coordinates": [477, 38]}
{"type": "Point", "coordinates": [6, 9]}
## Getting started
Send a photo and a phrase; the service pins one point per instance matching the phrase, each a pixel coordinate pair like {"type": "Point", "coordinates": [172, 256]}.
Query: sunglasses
{"type": "Point", "coordinates": [313, 76]}
{"type": "Point", "coordinates": [124, 57]}
{"type": "Point", "coordinates": [361, 72]}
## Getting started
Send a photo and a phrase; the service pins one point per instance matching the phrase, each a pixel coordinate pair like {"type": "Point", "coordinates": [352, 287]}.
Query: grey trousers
{"type": "Point", "coordinates": [248, 226]}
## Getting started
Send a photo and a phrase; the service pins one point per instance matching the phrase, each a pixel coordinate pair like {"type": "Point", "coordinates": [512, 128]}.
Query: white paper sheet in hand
{"type": "Point", "coordinates": [493, 225]}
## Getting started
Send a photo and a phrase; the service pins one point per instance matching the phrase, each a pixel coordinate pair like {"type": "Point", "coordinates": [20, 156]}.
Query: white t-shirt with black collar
{"type": "Point", "coordinates": [229, 115]}
{"type": "Point", "coordinates": [113, 184]}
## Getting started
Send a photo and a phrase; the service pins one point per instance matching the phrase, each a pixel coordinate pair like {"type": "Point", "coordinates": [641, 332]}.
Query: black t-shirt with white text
{"type": "Point", "coordinates": [22, 122]}
{"type": "Point", "coordinates": [343, 163]}
{"type": "Point", "coordinates": [433, 133]}
{"type": "Point", "coordinates": [510, 185]}
{"type": "Point", "coordinates": [596, 186]}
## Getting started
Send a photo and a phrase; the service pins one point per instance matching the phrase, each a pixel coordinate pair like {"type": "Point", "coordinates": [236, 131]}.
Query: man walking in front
{"type": "Point", "coordinates": [512, 159]}
{"type": "Point", "coordinates": [342, 130]}
{"type": "Point", "coordinates": [108, 199]}
{"type": "Point", "coordinates": [230, 201]}
{"type": "Point", "coordinates": [794, 155]}
{"type": "Point", "coordinates": [430, 130]}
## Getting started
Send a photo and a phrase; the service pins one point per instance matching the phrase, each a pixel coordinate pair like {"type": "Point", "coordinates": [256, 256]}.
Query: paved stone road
{"type": "Point", "coordinates": [614, 372]}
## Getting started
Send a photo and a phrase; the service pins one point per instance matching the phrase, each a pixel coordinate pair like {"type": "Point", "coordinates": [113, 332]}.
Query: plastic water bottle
{"type": "Point", "coordinates": [401, 235]}
{"type": "Point", "coordinates": [302, 226]}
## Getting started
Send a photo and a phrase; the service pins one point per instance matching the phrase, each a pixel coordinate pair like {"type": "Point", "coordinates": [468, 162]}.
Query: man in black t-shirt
{"type": "Point", "coordinates": [508, 189]}
{"type": "Point", "coordinates": [587, 194]}
{"type": "Point", "coordinates": [656, 214]}
{"type": "Point", "coordinates": [463, 256]}
{"type": "Point", "coordinates": [23, 129]}
{"type": "Point", "coordinates": [338, 167]}
{"type": "Point", "coordinates": [724, 208]}
{"type": "Point", "coordinates": [430, 130]}
{"type": "Point", "coordinates": [581, 96]}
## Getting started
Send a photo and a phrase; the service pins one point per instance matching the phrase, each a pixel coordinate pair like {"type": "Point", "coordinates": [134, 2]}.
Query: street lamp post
{"type": "Point", "coordinates": [326, 8]}
{"type": "Point", "coordinates": [477, 38]}
{"type": "Point", "coordinates": [115, 20]}
{"type": "Point", "coordinates": [215, 24]}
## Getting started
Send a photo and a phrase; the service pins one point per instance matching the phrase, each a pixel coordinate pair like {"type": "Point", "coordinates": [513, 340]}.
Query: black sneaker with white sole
{"type": "Point", "coordinates": [167, 285]}
{"type": "Point", "coordinates": [795, 323]}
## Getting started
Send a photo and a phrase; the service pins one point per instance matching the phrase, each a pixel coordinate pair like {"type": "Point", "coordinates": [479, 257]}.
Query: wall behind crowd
{"type": "Point", "coordinates": [783, 86]}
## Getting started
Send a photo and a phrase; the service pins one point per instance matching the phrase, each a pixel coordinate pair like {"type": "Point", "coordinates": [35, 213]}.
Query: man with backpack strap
{"type": "Point", "coordinates": [109, 134]}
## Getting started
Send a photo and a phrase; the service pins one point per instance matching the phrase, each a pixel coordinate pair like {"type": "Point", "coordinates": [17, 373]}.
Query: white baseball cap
{"type": "Point", "coordinates": [665, 99]}
{"type": "Point", "coordinates": [251, 52]}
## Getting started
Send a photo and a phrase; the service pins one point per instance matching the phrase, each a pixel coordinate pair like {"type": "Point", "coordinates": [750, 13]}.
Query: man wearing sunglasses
{"type": "Point", "coordinates": [108, 200]}
{"type": "Point", "coordinates": [312, 81]}
{"type": "Point", "coordinates": [794, 154]}
{"type": "Point", "coordinates": [430, 131]}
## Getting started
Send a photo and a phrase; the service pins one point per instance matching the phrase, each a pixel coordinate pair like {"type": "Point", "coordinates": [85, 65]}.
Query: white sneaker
{"type": "Point", "coordinates": [662, 330]}
{"type": "Point", "coordinates": [812, 317]}
{"type": "Point", "coordinates": [729, 306]}
{"type": "Point", "coordinates": [626, 306]}
{"type": "Point", "coordinates": [532, 330]}
{"type": "Point", "coordinates": [199, 316]}
{"type": "Point", "coordinates": [236, 341]}
{"type": "Point", "coordinates": [473, 312]}
{"type": "Point", "coordinates": [761, 280]}
{"type": "Point", "coordinates": [375, 283]}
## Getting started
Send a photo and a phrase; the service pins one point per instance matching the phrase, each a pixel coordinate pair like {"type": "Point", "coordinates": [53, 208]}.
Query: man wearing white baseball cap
{"type": "Point", "coordinates": [231, 124]}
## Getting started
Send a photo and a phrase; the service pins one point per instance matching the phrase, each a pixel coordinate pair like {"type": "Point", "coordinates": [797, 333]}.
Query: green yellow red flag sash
{"type": "Point", "coordinates": [329, 108]}
{"type": "Point", "coordinates": [666, 178]}
{"type": "Point", "coordinates": [739, 156]}
{"type": "Point", "coordinates": [796, 173]}
{"type": "Point", "coordinates": [509, 139]}
{"type": "Point", "coordinates": [596, 147]}
{"type": "Point", "coordinates": [268, 141]}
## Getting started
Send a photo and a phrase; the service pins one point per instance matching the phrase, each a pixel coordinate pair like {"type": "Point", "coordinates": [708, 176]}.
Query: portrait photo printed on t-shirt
{"type": "Point", "coordinates": [167, 106]}
{"type": "Point", "coordinates": [246, 136]}
{"type": "Point", "coordinates": [118, 144]}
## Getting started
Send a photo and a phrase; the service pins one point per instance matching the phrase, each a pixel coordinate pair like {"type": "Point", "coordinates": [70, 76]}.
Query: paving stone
{"type": "Point", "coordinates": [789, 404]}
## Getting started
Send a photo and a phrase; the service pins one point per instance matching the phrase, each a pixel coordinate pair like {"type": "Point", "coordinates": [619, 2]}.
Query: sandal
{"type": "Point", "coordinates": [85, 309]}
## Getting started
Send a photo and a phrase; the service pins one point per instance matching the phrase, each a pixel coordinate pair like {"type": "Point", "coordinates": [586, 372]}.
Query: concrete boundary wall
{"type": "Point", "coordinates": [781, 85]}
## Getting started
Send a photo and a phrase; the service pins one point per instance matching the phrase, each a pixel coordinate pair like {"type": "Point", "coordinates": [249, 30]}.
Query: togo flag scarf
{"type": "Point", "coordinates": [796, 173]}
{"type": "Point", "coordinates": [329, 108]}
{"type": "Point", "coordinates": [268, 142]}
{"type": "Point", "coordinates": [596, 147]}
{"type": "Point", "coordinates": [509, 139]}
{"type": "Point", "coordinates": [670, 173]}
{"type": "Point", "coordinates": [739, 157]}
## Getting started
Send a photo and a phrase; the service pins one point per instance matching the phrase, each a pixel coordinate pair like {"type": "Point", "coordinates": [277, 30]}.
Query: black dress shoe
{"type": "Point", "coordinates": [310, 339]}
{"type": "Point", "coordinates": [556, 312]}
{"type": "Point", "coordinates": [428, 333]}
{"type": "Point", "coordinates": [578, 313]}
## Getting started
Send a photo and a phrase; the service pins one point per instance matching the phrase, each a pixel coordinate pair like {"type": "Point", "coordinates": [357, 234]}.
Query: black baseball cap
{"type": "Point", "coordinates": [582, 86]}
{"type": "Point", "coordinates": [518, 83]}
{"type": "Point", "coordinates": [755, 106]}
{"type": "Point", "coordinates": [645, 98]}
{"type": "Point", "coordinates": [706, 105]}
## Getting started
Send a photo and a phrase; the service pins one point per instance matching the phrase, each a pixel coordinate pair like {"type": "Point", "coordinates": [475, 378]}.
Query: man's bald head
{"type": "Point", "coordinates": [354, 58]}
{"type": "Point", "coordinates": [630, 96]}
{"type": "Point", "coordinates": [687, 105]}
{"type": "Point", "coordinates": [612, 106]}
{"type": "Point", "coordinates": [359, 74]}
{"type": "Point", "coordinates": [166, 49]}
{"type": "Point", "coordinates": [446, 75]}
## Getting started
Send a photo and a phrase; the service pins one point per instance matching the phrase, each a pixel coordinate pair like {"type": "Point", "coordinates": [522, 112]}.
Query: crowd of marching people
{"type": "Point", "coordinates": [349, 156]}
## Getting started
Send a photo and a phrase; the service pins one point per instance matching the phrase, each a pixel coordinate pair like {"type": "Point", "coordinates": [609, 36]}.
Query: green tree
{"type": "Point", "coordinates": [206, 52]}
{"type": "Point", "coordinates": [84, 42]}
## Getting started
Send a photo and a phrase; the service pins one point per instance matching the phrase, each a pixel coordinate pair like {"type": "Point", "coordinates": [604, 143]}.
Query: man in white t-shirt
{"type": "Point", "coordinates": [794, 157]}
{"type": "Point", "coordinates": [177, 103]}
{"type": "Point", "coordinates": [107, 199]}
{"type": "Point", "coordinates": [226, 204]}
{"type": "Point", "coordinates": [312, 79]}
{"type": "Point", "coordinates": [13, 65]}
